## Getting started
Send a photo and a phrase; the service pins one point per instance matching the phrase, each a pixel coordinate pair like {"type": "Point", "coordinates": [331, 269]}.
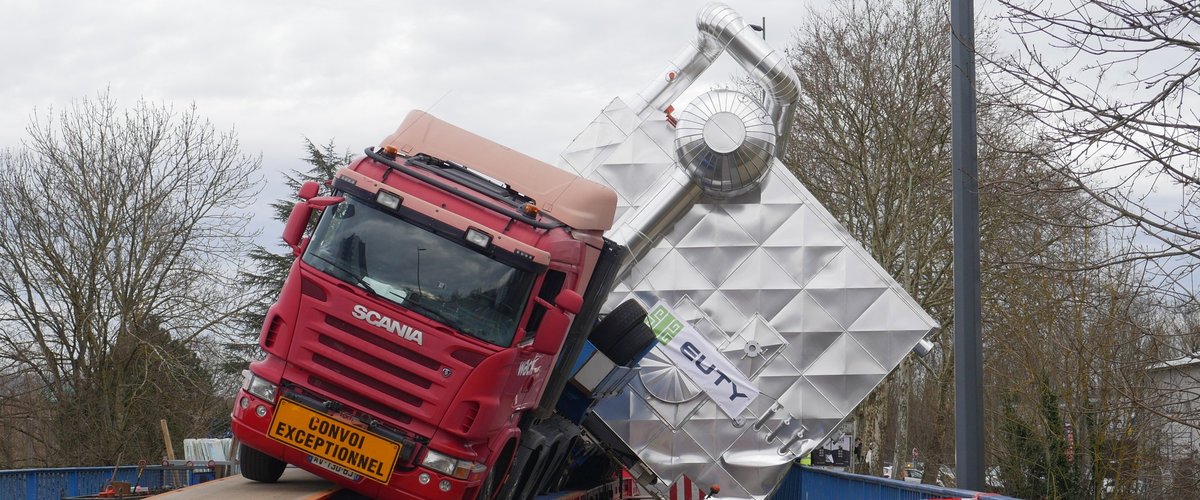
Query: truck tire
{"type": "Point", "coordinates": [496, 477]}
{"type": "Point", "coordinates": [531, 461]}
{"type": "Point", "coordinates": [596, 470]}
{"type": "Point", "coordinates": [258, 466]}
{"type": "Point", "coordinates": [562, 435]}
{"type": "Point", "coordinates": [608, 335]}
{"type": "Point", "coordinates": [637, 339]}
{"type": "Point", "coordinates": [563, 462]}
{"type": "Point", "coordinates": [527, 459]}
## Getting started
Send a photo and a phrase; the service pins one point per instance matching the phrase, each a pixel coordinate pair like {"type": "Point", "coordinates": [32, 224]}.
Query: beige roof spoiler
{"type": "Point", "coordinates": [577, 202]}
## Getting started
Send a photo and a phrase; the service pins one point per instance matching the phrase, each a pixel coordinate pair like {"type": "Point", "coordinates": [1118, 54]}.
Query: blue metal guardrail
{"type": "Point", "coordinates": [801, 483]}
{"type": "Point", "coordinates": [807, 483]}
{"type": "Point", "coordinates": [54, 484]}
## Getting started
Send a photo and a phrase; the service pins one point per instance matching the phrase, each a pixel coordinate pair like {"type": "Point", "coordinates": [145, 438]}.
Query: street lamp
{"type": "Point", "coordinates": [761, 28]}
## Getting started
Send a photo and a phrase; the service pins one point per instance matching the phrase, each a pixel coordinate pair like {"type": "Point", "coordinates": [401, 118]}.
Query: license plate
{"type": "Point", "coordinates": [339, 443]}
{"type": "Point", "coordinates": [334, 468]}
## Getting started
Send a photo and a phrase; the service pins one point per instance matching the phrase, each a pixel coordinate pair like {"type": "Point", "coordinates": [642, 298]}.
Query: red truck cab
{"type": "Point", "coordinates": [423, 316]}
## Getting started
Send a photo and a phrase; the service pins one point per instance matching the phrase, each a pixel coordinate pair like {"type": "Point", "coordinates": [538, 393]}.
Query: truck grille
{"type": "Point", "coordinates": [371, 372]}
{"type": "Point", "coordinates": [369, 359]}
{"type": "Point", "coordinates": [354, 398]}
{"type": "Point", "coordinates": [366, 380]}
{"type": "Point", "coordinates": [394, 348]}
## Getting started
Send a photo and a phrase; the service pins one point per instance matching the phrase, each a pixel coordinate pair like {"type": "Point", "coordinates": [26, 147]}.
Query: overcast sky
{"type": "Point", "coordinates": [529, 75]}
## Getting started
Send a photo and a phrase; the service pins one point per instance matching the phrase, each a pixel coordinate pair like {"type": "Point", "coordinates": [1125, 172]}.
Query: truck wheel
{"type": "Point", "coordinates": [636, 339]}
{"type": "Point", "coordinates": [608, 334]}
{"type": "Point", "coordinates": [596, 470]}
{"type": "Point", "coordinates": [259, 466]}
{"type": "Point", "coordinates": [523, 487]}
{"type": "Point", "coordinates": [496, 476]}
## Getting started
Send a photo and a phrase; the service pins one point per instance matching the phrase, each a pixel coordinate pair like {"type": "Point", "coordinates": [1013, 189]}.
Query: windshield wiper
{"type": "Point", "coordinates": [356, 279]}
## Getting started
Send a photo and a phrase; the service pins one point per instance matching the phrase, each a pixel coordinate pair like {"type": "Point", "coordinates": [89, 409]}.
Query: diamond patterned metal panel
{"type": "Point", "coordinates": [638, 152]}
{"type": "Point", "coordinates": [593, 144]}
{"type": "Point", "coordinates": [771, 279]}
{"type": "Point", "coordinates": [753, 347]}
{"type": "Point", "coordinates": [690, 312]}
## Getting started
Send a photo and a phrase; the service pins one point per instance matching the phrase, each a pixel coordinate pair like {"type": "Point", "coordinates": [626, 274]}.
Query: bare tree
{"type": "Point", "coordinates": [872, 142]}
{"type": "Point", "coordinates": [1115, 87]}
{"type": "Point", "coordinates": [121, 231]}
{"type": "Point", "coordinates": [269, 269]}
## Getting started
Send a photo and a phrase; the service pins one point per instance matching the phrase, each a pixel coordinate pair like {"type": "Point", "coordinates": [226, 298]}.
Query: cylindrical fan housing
{"type": "Point", "coordinates": [725, 140]}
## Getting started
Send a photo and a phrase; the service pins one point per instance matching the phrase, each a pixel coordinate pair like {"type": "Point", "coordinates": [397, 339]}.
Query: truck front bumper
{"type": "Point", "coordinates": [251, 425]}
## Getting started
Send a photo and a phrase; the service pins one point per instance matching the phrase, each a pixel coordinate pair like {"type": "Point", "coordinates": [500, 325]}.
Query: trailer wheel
{"type": "Point", "coordinates": [259, 466]}
{"type": "Point", "coordinates": [610, 333]}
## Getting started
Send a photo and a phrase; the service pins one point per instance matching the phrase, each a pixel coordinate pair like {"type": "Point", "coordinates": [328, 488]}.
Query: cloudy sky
{"type": "Point", "coordinates": [527, 74]}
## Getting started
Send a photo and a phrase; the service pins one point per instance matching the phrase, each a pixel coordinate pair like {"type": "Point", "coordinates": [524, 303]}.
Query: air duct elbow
{"type": "Point", "coordinates": [723, 29]}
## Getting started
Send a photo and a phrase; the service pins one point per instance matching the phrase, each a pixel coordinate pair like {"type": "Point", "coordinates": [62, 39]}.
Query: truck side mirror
{"type": "Point", "coordinates": [551, 332]}
{"type": "Point", "coordinates": [324, 201]}
{"type": "Point", "coordinates": [308, 190]}
{"type": "Point", "coordinates": [297, 222]}
{"type": "Point", "coordinates": [569, 300]}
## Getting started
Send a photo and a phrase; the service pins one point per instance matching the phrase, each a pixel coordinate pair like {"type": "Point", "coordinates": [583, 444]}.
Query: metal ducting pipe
{"type": "Point", "coordinates": [721, 29]}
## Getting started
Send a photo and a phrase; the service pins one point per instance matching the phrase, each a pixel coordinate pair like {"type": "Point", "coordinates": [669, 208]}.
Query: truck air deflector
{"type": "Point", "coordinates": [580, 203]}
{"type": "Point", "coordinates": [516, 215]}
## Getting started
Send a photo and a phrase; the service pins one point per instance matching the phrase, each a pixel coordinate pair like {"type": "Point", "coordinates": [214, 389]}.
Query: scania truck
{"type": "Point", "coordinates": [425, 314]}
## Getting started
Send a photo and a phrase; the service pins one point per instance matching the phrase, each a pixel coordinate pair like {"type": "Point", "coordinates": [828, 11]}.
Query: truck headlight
{"type": "Point", "coordinates": [439, 462]}
{"type": "Point", "coordinates": [478, 238]}
{"type": "Point", "coordinates": [450, 466]}
{"type": "Point", "coordinates": [258, 386]}
{"type": "Point", "coordinates": [387, 199]}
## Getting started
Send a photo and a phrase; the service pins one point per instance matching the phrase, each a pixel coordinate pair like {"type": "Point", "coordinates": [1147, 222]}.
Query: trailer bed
{"type": "Point", "coordinates": [295, 484]}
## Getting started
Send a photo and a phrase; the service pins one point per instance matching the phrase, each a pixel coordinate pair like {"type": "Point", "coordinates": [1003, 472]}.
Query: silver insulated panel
{"type": "Point", "coordinates": [761, 271]}
{"type": "Point", "coordinates": [772, 280]}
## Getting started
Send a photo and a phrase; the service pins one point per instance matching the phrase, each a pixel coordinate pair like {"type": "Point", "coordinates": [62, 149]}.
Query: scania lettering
{"type": "Point", "coordinates": [375, 319]}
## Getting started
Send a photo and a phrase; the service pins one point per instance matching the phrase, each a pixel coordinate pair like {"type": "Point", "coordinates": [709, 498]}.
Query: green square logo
{"type": "Point", "coordinates": [663, 324]}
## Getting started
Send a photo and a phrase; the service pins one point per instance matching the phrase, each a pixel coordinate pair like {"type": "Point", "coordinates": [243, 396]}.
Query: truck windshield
{"type": "Point", "coordinates": [419, 270]}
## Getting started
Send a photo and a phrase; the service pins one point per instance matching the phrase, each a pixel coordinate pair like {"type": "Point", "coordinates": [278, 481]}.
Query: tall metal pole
{"type": "Point", "coordinates": [968, 348]}
{"type": "Point", "coordinates": [762, 28]}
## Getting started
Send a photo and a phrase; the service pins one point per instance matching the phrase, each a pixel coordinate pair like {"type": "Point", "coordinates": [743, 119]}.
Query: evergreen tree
{"type": "Point", "coordinates": [269, 269]}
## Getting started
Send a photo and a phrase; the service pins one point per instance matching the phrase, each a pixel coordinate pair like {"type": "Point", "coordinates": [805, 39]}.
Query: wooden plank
{"type": "Point", "coordinates": [167, 439]}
